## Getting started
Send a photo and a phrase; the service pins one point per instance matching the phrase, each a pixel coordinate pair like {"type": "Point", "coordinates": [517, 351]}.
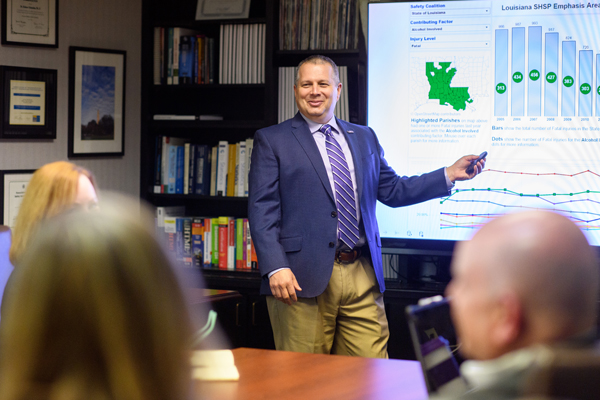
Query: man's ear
{"type": "Point", "coordinates": [507, 322]}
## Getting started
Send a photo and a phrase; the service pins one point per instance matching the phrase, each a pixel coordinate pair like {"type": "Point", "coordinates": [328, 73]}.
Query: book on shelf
{"type": "Point", "coordinates": [157, 60]}
{"type": "Point", "coordinates": [183, 241]}
{"type": "Point", "coordinates": [231, 244]}
{"type": "Point", "coordinates": [241, 171]}
{"type": "Point", "coordinates": [187, 46]}
{"type": "Point", "coordinates": [182, 56]}
{"type": "Point", "coordinates": [231, 160]}
{"type": "Point", "coordinates": [168, 231]}
{"type": "Point", "coordinates": [198, 242]}
{"type": "Point", "coordinates": [213, 171]}
{"type": "Point", "coordinates": [182, 167]}
{"type": "Point", "coordinates": [287, 104]}
{"type": "Point", "coordinates": [242, 244]}
{"type": "Point", "coordinates": [191, 170]}
{"type": "Point", "coordinates": [203, 242]}
{"type": "Point", "coordinates": [318, 24]}
{"type": "Point", "coordinates": [158, 164]}
{"type": "Point", "coordinates": [241, 53]}
{"type": "Point", "coordinates": [207, 246]}
{"type": "Point", "coordinates": [222, 166]}
{"type": "Point", "coordinates": [249, 147]}
{"type": "Point", "coordinates": [186, 168]}
{"type": "Point", "coordinates": [166, 212]}
{"type": "Point", "coordinates": [214, 234]}
{"type": "Point", "coordinates": [179, 178]}
{"type": "Point", "coordinates": [223, 244]}
{"type": "Point", "coordinates": [166, 164]}
{"type": "Point", "coordinates": [202, 175]}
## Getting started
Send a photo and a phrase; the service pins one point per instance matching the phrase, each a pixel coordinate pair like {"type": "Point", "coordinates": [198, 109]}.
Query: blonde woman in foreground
{"type": "Point", "coordinates": [53, 189]}
{"type": "Point", "coordinates": [96, 313]}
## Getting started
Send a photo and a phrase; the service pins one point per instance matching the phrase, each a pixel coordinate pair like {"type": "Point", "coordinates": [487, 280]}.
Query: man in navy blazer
{"type": "Point", "coordinates": [324, 291]}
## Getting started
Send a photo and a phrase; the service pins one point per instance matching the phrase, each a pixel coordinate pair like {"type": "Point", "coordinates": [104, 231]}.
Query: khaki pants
{"type": "Point", "coordinates": [348, 318]}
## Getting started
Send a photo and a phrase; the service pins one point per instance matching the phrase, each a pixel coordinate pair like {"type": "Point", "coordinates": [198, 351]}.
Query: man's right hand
{"type": "Point", "coordinates": [284, 285]}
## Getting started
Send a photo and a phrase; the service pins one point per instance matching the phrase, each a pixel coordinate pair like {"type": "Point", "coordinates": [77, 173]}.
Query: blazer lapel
{"type": "Point", "coordinates": [356, 155]}
{"type": "Point", "coordinates": [304, 137]}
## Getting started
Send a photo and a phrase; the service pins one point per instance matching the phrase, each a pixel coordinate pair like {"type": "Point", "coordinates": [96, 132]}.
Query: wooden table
{"type": "Point", "coordinates": [270, 374]}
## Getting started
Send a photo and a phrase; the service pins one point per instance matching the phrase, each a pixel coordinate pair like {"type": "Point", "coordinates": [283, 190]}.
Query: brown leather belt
{"type": "Point", "coordinates": [349, 256]}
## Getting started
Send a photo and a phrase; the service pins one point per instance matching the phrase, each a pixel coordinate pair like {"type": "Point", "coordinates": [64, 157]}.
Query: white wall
{"type": "Point", "coordinates": [109, 24]}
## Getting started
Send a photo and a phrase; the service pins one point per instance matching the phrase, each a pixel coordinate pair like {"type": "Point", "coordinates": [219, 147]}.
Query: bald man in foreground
{"type": "Point", "coordinates": [524, 285]}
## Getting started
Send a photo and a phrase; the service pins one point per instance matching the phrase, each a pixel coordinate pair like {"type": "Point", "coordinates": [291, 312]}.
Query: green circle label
{"type": "Point", "coordinates": [551, 77]}
{"type": "Point", "coordinates": [501, 88]}
{"type": "Point", "coordinates": [568, 81]}
{"type": "Point", "coordinates": [517, 77]}
{"type": "Point", "coordinates": [534, 75]}
{"type": "Point", "coordinates": [598, 90]}
{"type": "Point", "coordinates": [585, 88]}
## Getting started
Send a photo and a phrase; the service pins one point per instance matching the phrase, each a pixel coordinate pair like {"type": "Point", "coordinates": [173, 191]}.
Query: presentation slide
{"type": "Point", "coordinates": [518, 79]}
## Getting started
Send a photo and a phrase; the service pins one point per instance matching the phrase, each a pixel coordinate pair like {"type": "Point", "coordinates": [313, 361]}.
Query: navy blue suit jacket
{"type": "Point", "coordinates": [291, 206]}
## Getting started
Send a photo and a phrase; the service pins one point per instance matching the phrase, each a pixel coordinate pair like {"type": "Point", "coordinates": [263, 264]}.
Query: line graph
{"type": "Point", "coordinates": [581, 205]}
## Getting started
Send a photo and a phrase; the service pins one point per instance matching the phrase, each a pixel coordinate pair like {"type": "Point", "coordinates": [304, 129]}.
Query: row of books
{"type": "Point", "coordinates": [318, 24]}
{"type": "Point", "coordinates": [182, 167]}
{"type": "Point", "coordinates": [287, 104]}
{"type": "Point", "coordinates": [242, 53]}
{"type": "Point", "coordinates": [183, 56]}
{"type": "Point", "coordinates": [201, 242]}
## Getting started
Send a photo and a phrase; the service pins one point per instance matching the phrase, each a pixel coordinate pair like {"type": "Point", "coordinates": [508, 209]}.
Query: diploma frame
{"type": "Point", "coordinates": [222, 9]}
{"type": "Point", "coordinates": [46, 129]}
{"type": "Point", "coordinates": [101, 132]}
{"type": "Point", "coordinates": [46, 22]}
{"type": "Point", "coordinates": [10, 201]}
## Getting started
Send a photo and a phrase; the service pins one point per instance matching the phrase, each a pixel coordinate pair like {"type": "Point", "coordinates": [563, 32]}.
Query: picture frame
{"type": "Point", "coordinates": [14, 183]}
{"type": "Point", "coordinates": [222, 9]}
{"type": "Point", "coordinates": [96, 102]}
{"type": "Point", "coordinates": [30, 23]}
{"type": "Point", "coordinates": [28, 103]}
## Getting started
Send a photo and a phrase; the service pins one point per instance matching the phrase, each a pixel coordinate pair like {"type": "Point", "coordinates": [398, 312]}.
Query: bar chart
{"type": "Point", "coordinates": [547, 73]}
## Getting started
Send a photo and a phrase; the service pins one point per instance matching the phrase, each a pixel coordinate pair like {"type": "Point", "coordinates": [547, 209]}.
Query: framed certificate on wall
{"type": "Point", "coordinates": [27, 103]}
{"type": "Point", "coordinates": [14, 184]}
{"type": "Point", "coordinates": [30, 22]}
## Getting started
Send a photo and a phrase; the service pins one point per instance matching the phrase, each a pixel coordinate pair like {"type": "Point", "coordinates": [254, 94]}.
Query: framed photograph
{"type": "Point", "coordinates": [222, 9]}
{"type": "Point", "coordinates": [96, 102]}
{"type": "Point", "coordinates": [30, 22]}
{"type": "Point", "coordinates": [27, 103]}
{"type": "Point", "coordinates": [14, 183]}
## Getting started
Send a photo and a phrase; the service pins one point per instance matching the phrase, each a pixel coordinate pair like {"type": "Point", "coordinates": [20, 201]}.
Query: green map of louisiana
{"type": "Point", "coordinates": [440, 89]}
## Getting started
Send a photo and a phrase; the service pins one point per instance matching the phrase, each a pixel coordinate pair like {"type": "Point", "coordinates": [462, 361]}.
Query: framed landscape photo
{"type": "Point", "coordinates": [30, 22]}
{"type": "Point", "coordinates": [27, 103]}
{"type": "Point", "coordinates": [96, 102]}
{"type": "Point", "coordinates": [14, 183]}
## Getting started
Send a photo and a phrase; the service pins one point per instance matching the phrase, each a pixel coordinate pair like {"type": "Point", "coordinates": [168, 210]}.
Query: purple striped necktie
{"type": "Point", "coordinates": [344, 190]}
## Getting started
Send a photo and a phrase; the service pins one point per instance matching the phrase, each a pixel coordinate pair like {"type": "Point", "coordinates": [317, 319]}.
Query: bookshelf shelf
{"type": "Point", "coordinates": [208, 87]}
{"type": "Point", "coordinates": [306, 53]}
{"type": "Point", "coordinates": [195, 197]}
{"type": "Point", "coordinates": [197, 205]}
{"type": "Point", "coordinates": [207, 23]}
{"type": "Point", "coordinates": [200, 126]}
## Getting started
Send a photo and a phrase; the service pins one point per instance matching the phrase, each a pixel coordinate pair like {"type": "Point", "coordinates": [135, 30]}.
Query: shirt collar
{"type": "Point", "coordinates": [315, 126]}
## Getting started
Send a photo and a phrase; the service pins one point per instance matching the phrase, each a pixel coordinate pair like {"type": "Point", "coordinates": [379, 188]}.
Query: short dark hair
{"type": "Point", "coordinates": [319, 59]}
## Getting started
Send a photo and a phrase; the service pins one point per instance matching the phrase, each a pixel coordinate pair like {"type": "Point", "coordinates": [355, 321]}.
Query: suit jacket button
{"type": "Point", "coordinates": [331, 244]}
{"type": "Point", "coordinates": [333, 214]}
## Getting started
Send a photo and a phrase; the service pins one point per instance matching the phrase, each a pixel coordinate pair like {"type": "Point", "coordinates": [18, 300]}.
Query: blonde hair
{"type": "Point", "coordinates": [51, 190]}
{"type": "Point", "coordinates": [96, 313]}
